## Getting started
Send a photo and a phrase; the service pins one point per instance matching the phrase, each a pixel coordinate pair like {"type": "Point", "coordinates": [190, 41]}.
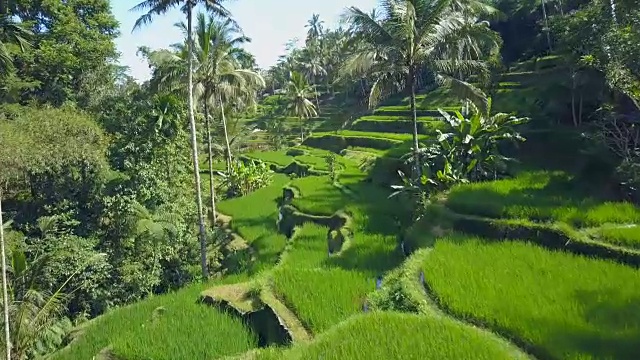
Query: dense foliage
{"type": "Point", "coordinates": [100, 177]}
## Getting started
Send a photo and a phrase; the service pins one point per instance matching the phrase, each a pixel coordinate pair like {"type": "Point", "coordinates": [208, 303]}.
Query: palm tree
{"type": "Point", "coordinates": [312, 65]}
{"type": "Point", "coordinates": [412, 36]}
{"type": "Point", "coordinates": [218, 75]}
{"type": "Point", "coordinates": [36, 315]}
{"type": "Point", "coordinates": [160, 7]}
{"type": "Point", "coordinates": [315, 26]}
{"type": "Point", "coordinates": [11, 31]}
{"type": "Point", "coordinates": [5, 303]}
{"type": "Point", "coordinates": [298, 94]}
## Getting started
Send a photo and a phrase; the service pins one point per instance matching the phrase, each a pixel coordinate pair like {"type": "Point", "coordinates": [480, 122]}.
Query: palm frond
{"type": "Point", "coordinates": [465, 90]}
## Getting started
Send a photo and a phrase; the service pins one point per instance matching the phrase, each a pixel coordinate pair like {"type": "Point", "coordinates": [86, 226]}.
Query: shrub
{"type": "Point", "coordinates": [295, 152]}
{"type": "Point", "coordinates": [245, 178]}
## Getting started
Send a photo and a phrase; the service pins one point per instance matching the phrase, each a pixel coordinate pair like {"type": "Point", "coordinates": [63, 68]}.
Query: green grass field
{"type": "Point", "coordinates": [626, 235]}
{"type": "Point", "coordinates": [254, 218]}
{"type": "Point", "coordinates": [554, 305]}
{"type": "Point", "coordinates": [159, 328]}
{"type": "Point", "coordinates": [560, 305]}
{"type": "Point", "coordinates": [274, 157]}
{"type": "Point", "coordinates": [318, 195]}
{"type": "Point", "coordinates": [395, 336]}
{"type": "Point", "coordinates": [540, 196]}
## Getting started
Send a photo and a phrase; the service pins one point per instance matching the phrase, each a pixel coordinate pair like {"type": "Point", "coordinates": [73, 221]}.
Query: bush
{"type": "Point", "coordinates": [245, 178]}
{"type": "Point", "coordinates": [295, 152]}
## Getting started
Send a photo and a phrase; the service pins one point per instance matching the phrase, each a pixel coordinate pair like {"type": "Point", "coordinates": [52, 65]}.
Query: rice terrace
{"type": "Point", "coordinates": [404, 179]}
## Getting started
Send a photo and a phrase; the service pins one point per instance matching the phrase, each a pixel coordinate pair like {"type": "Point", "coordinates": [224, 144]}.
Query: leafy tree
{"type": "Point", "coordinates": [40, 141]}
{"type": "Point", "coordinates": [298, 94]}
{"type": "Point", "coordinates": [70, 40]}
{"type": "Point", "coordinates": [161, 7]}
{"type": "Point", "coordinates": [414, 35]}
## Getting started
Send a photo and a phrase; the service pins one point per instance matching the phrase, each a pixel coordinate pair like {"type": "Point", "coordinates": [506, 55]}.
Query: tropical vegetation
{"type": "Point", "coordinates": [432, 179]}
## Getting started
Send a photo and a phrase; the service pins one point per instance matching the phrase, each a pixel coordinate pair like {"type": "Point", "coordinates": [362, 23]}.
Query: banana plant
{"type": "Point", "coordinates": [468, 145]}
{"type": "Point", "coordinates": [465, 150]}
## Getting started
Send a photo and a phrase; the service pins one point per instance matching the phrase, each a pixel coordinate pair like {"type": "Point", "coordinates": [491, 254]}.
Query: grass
{"type": "Point", "coordinates": [324, 290]}
{"type": "Point", "coordinates": [318, 195]}
{"type": "Point", "coordinates": [628, 236]}
{"type": "Point", "coordinates": [540, 196]}
{"type": "Point", "coordinates": [254, 218]}
{"type": "Point", "coordinates": [159, 327]}
{"type": "Point", "coordinates": [374, 135]}
{"type": "Point", "coordinates": [388, 335]}
{"type": "Point", "coordinates": [275, 157]}
{"type": "Point", "coordinates": [397, 126]}
{"type": "Point", "coordinates": [322, 297]}
{"type": "Point", "coordinates": [321, 293]}
{"type": "Point", "coordinates": [397, 118]}
{"type": "Point", "coordinates": [407, 108]}
{"type": "Point", "coordinates": [560, 305]}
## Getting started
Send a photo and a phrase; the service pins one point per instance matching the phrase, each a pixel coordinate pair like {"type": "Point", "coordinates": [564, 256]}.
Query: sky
{"type": "Point", "coordinates": [269, 23]}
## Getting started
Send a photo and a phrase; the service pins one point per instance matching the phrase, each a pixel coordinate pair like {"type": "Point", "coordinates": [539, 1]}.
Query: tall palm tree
{"type": "Point", "coordinates": [312, 64]}
{"type": "Point", "coordinates": [315, 26]}
{"type": "Point", "coordinates": [412, 36]}
{"type": "Point", "coordinates": [9, 31]}
{"type": "Point", "coordinates": [219, 76]}
{"type": "Point", "coordinates": [298, 94]}
{"type": "Point", "coordinates": [5, 296]}
{"type": "Point", "coordinates": [160, 7]}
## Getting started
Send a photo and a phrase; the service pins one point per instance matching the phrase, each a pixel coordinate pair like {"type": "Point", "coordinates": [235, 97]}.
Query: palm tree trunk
{"type": "Point", "coordinates": [301, 131]}
{"type": "Point", "coordinates": [212, 188]}
{"type": "Point", "coordinates": [613, 12]}
{"type": "Point", "coordinates": [414, 116]}
{"type": "Point", "coordinates": [546, 24]}
{"type": "Point", "coordinates": [5, 295]}
{"type": "Point", "coordinates": [226, 135]}
{"type": "Point", "coordinates": [317, 100]}
{"type": "Point", "coordinates": [194, 147]}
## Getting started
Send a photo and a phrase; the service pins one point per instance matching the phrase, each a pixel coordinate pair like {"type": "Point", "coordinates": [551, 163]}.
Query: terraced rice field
{"type": "Point", "coordinates": [555, 304]}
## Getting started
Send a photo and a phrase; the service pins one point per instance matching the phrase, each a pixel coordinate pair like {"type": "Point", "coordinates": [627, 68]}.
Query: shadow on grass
{"type": "Point", "coordinates": [615, 325]}
{"type": "Point", "coordinates": [536, 196]}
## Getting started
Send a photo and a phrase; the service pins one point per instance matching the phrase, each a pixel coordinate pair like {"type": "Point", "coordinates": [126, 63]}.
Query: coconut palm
{"type": "Point", "coordinates": [298, 94]}
{"type": "Point", "coordinates": [311, 63]}
{"type": "Point", "coordinates": [315, 26]}
{"type": "Point", "coordinates": [160, 7]}
{"type": "Point", "coordinates": [11, 31]}
{"type": "Point", "coordinates": [219, 77]}
{"type": "Point", "coordinates": [413, 36]}
{"type": "Point", "coordinates": [5, 304]}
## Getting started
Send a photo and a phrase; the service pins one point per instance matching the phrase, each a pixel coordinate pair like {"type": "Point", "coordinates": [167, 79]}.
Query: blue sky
{"type": "Point", "coordinates": [270, 24]}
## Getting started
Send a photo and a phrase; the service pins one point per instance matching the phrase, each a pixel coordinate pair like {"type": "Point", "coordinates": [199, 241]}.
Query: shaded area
{"type": "Point", "coordinates": [540, 196]}
{"type": "Point", "coordinates": [238, 301]}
